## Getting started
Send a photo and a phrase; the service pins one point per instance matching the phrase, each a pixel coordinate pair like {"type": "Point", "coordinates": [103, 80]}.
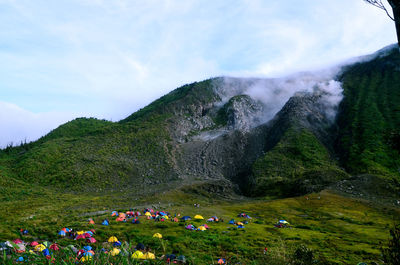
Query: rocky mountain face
{"type": "Point", "coordinates": [256, 137]}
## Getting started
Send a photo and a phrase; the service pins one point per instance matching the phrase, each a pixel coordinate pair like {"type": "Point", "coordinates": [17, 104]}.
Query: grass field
{"type": "Point", "coordinates": [339, 230]}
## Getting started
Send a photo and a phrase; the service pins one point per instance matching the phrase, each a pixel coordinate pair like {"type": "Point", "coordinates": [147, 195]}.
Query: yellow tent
{"type": "Point", "coordinates": [239, 223]}
{"type": "Point", "coordinates": [202, 228]}
{"type": "Point", "coordinates": [80, 232]}
{"type": "Point", "coordinates": [158, 235]}
{"type": "Point", "coordinates": [112, 239]}
{"type": "Point", "coordinates": [147, 214]}
{"type": "Point", "coordinates": [86, 258]}
{"type": "Point", "coordinates": [115, 252]}
{"type": "Point", "coordinates": [166, 217]}
{"type": "Point", "coordinates": [137, 255]}
{"type": "Point", "coordinates": [148, 255]}
{"type": "Point", "coordinates": [39, 248]}
{"type": "Point", "coordinates": [199, 217]}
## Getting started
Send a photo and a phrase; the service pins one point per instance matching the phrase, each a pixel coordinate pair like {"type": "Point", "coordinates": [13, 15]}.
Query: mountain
{"type": "Point", "coordinates": [226, 136]}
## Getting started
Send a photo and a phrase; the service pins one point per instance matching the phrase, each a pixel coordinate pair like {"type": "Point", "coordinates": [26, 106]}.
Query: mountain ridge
{"type": "Point", "coordinates": [228, 134]}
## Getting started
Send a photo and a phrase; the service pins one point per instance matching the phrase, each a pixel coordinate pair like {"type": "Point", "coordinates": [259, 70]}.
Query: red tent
{"type": "Point", "coordinates": [91, 240]}
{"type": "Point", "coordinates": [54, 247]}
{"type": "Point", "coordinates": [81, 236]}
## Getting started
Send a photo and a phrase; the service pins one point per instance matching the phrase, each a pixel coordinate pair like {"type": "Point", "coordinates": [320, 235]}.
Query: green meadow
{"type": "Point", "coordinates": [337, 229]}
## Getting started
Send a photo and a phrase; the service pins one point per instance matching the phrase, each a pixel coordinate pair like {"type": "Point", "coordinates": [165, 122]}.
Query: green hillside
{"type": "Point", "coordinates": [93, 155]}
{"type": "Point", "coordinates": [298, 164]}
{"type": "Point", "coordinates": [369, 117]}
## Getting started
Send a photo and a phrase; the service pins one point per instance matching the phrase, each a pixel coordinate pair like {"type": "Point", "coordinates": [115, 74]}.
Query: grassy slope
{"type": "Point", "coordinates": [298, 164]}
{"type": "Point", "coordinates": [369, 117]}
{"type": "Point", "coordinates": [93, 155]}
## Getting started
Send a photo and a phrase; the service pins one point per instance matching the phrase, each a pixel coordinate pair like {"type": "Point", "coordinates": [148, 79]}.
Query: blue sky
{"type": "Point", "coordinates": [106, 59]}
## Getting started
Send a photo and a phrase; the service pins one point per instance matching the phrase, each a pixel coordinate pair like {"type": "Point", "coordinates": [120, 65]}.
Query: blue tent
{"type": "Point", "coordinates": [61, 233]}
{"type": "Point", "coordinates": [88, 254]}
{"type": "Point", "coordinates": [186, 218]}
{"type": "Point", "coordinates": [105, 222]}
{"type": "Point", "coordinates": [232, 222]}
{"type": "Point", "coordinates": [87, 248]}
{"type": "Point", "coordinates": [117, 244]}
{"type": "Point", "coordinates": [240, 226]}
{"type": "Point", "coordinates": [46, 252]}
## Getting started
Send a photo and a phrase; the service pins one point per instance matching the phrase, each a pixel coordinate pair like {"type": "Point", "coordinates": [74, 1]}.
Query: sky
{"type": "Point", "coordinates": [60, 60]}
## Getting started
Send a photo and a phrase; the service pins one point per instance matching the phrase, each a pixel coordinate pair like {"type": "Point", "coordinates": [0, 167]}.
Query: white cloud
{"type": "Point", "coordinates": [22, 125]}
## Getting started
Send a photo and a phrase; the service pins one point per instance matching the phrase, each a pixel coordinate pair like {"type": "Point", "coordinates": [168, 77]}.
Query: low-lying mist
{"type": "Point", "coordinates": [273, 93]}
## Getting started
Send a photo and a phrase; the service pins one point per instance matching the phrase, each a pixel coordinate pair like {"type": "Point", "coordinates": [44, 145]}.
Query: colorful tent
{"type": "Point", "coordinates": [112, 239]}
{"type": "Point", "coordinates": [81, 236]}
{"type": "Point", "coordinates": [87, 235]}
{"type": "Point", "coordinates": [20, 248]}
{"type": "Point", "coordinates": [115, 251]}
{"type": "Point", "coordinates": [62, 233]}
{"type": "Point", "coordinates": [54, 247]}
{"type": "Point", "coordinates": [215, 218]}
{"type": "Point", "coordinates": [87, 248]}
{"type": "Point", "coordinates": [46, 244]}
{"type": "Point", "coordinates": [46, 252]}
{"type": "Point", "coordinates": [137, 254]}
{"type": "Point", "coordinates": [190, 227]}
{"type": "Point", "coordinates": [117, 244]}
{"type": "Point", "coordinates": [148, 255]}
{"type": "Point", "coordinates": [158, 235]}
{"type": "Point", "coordinates": [186, 218]}
{"type": "Point", "coordinates": [91, 221]}
{"type": "Point", "coordinates": [39, 248]}
{"type": "Point", "coordinates": [114, 213]}
{"type": "Point", "coordinates": [221, 261]}
{"type": "Point", "coordinates": [135, 221]}
{"type": "Point", "coordinates": [34, 243]}
{"type": "Point", "coordinates": [91, 240]}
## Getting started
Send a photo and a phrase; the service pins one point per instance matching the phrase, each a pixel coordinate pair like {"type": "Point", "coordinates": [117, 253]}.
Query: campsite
{"type": "Point", "coordinates": [319, 221]}
{"type": "Point", "coordinates": [200, 132]}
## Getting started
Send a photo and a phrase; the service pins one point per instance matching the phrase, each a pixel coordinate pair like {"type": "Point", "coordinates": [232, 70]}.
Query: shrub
{"type": "Point", "coordinates": [391, 254]}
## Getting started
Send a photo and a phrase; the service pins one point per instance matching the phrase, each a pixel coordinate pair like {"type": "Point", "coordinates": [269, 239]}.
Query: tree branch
{"type": "Point", "coordinates": [379, 4]}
